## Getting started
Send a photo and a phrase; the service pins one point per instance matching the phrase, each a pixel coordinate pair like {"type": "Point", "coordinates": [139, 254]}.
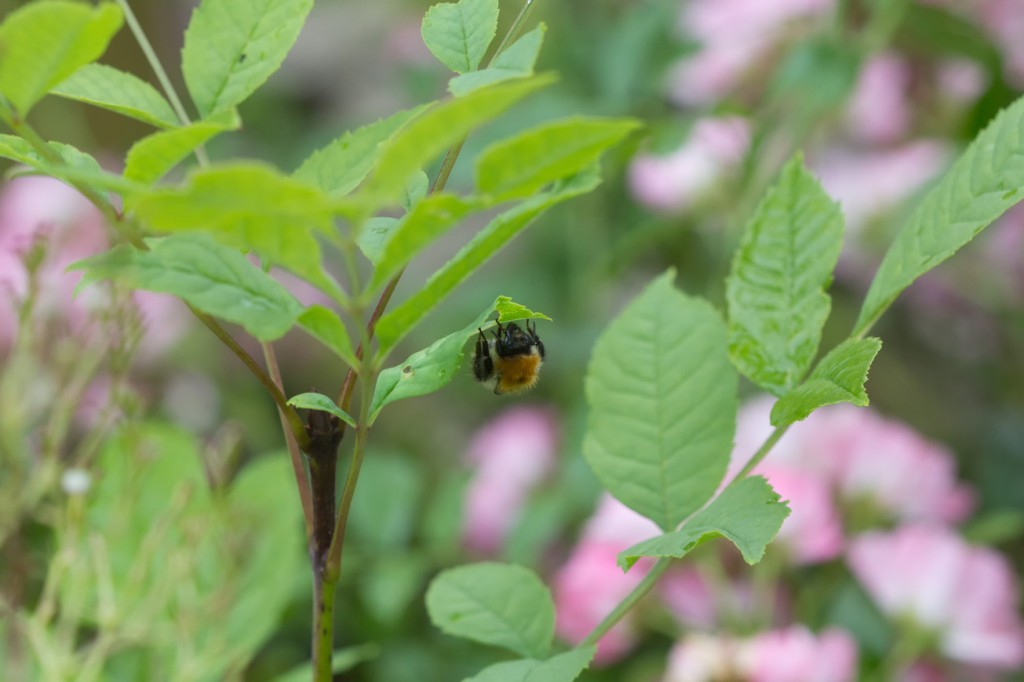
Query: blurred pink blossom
{"type": "Point", "coordinates": [794, 654]}
{"type": "Point", "coordinates": [879, 110]}
{"type": "Point", "coordinates": [41, 211]}
{"type": "Point", "coordinates": [590, 584]}
{"type": "Point", "coordinates": [674, 182]}
{"type": "Point", "coordinates": [733, 36]}
{"type": "Point", "coordinates": [587, 588]}
{"type": "Point", "coordinates": [961, 79]}
{"type": "Point", "coordinates": [812, 532]}
{"type": "Point", "coordinates": [864, 457]}
{"type": "Point", "coordinates": [870, 184]}
{"type": "Point", "coordinates": [511, 455]}
{"type": "Point", "coordinates": [689, 597]}
{"type": "Point", "coordinates": [705, 658]}
{"type": "Point", "coordinates": [966, 595]}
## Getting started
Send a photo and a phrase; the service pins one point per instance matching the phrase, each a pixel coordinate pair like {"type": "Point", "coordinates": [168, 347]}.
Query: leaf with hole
{"type": "Point", "coordinates": [432, 368]}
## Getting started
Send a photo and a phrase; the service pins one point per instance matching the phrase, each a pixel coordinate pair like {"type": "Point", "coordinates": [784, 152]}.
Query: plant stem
{"type": "Point", "coordinates": [154, 62]}
{"type": "Point", "coordinates": [323, 627]}
{"type": "Point", "coordinates": [623, 607]}
{"type": "Point", "coordinates": [294, 453]}
{"type": "Point", "coordinates": [161, 74]}
{"type": "Point", "coordinates": [761, 453]}
{"type": "Point", "coordinates": [282, 403]}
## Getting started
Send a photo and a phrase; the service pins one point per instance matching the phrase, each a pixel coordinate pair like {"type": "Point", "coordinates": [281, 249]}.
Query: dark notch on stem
{"type": "Point", "coordinates": [325, 436]}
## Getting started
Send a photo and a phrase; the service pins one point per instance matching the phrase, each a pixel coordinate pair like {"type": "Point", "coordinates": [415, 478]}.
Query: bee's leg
{"type": "Point", "coordinates": [536, 339]}
{"type": "Point", "coordinates": [483, 366]}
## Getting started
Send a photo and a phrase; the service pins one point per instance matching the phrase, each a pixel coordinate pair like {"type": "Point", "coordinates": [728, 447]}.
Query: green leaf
{"type": "Point", "coordinates": [250, 206]}
{"type": "Point", "coordinates": [415, 190]}
{"type": "Point", "coordinates": [118, 91]}
{"type": "Point", "coordinates": [776, 290]}
{"type": "Point", "coordinates": [428, 220]}
{"type": "Point", "coordinates": [662, 398]}
{"type": "Point", "coordinates": [984, 182]}
{"type": "Point", "coordinates": [429, 134]}
{"type": "Point", "coordinates": [561, 668]}
{"type": "Point", "coordinates": [517, 61]}
{"type": "Point", "coordinates": [499, 232]}
{"type": "Point", "coordinates": [341, 660]}
{"type": "Point", "coordinates": [326, 327]}
{"type": "Point", "coordinates": [747, 512]}
{"type": "Point", "coordinates": [233, 46]}
{"type": "Point", "coordinates": [510, 311]}
{"type": "Point", "coordinates": [320, 402]}
{"type": "Point", "coordinates": [74, 167]}
{"type": "Point", "coordinates": [838, 378]}
{"type": "Point", "coordinates": [458, 33]}
{"type": "Point", "coordinates": [155, 155]}
{"type": "Point", "coordinates": [501, 604]}
{"type": "Point", "coordinates": [521, 165]}
{"type": "Point", "coordinates": [432, 368]}
{"type": "Point", "coordinates": [375, 234]}
{"type": "Point", "coordinates": [45, 42]}
{"type": "Point", "coordinates": [215, 279]}
{"type": "Point", "coordinates": [339, 167]}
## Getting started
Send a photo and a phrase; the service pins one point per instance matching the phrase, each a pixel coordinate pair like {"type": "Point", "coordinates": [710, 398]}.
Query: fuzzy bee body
{"type": "Point", "coordinates": [510, 362]}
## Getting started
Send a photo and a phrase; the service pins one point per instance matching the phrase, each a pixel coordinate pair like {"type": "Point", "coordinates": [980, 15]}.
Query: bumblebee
{"type": "Point", "coordinates": [510, 362]}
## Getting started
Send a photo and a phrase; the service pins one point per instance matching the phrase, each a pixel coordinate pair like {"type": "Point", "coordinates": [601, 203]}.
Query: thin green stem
{"type": "Point", "coordinates": [292, 417]}
{"type": "Point", "coordinates": [630, 600]}
{"type": "Point", "coordinates": [761, 453]}
{"type": "Point", "coordinates": [514, 29]}
{"type": "Point", "coordinates": [161, 74]}
{"type": "Point", "coordinates": [294, 453]}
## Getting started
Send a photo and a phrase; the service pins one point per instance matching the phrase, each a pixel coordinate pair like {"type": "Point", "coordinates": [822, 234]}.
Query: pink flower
{"type": "Point", "coordinates": [675, 182]}
{"type": "Point", "coordinates": [590, 584]}
{"type": "Point", "coordinates": [511, 455]}
{"type": "Point", "coordinates": [689, 597]}
{"type": "Point", "coordinates": [879, 111]}
{"type": "Point", "coordinates": [966, 595]}
{"type": "Point", "coordinates": [871, 184]}
{"type": "Point", "coordinates": [863, 457]}
{"type": "Point", "coordinates": [705, 658]}
{"type": "Point", "coordinates": [734, 36]}
{"type": "Point", "coordinates": [812, 532]}
{"type": "Point", "coordinates": [794, 654]}
{"type": "Point", "coordinates": [45, 214]}
{"type": "Point", "coordinates": [587, 588]}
